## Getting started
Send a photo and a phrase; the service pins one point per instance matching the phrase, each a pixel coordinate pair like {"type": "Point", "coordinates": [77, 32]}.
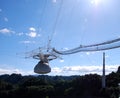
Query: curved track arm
{"type": "Point", "coordinates": [95, 47]}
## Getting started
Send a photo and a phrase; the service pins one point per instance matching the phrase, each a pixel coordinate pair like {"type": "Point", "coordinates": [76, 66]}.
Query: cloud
{"type": "Point", "coordinates": [9, 71]}
{"type": "Point", "coordinates": [66, 48]}
{"type": "Point", "coordinates": [82, 70]}
{"type": "Point", "coordinates": [54, 1]}
{"type": "Point", "coordinates": [27, 42]}
{"type": "Point", "coordinates": [65, 70]}
{"type": "Point", "coordinates": [32, 29]}
{"type": "Point", "coordinates": [6, 31]}
{"type": "Point", "coordinates": [6, 69]}
{"type": "Point", "coordinates": [33, 33]}
{"type": "Point", "coordinates": [6, 19]}
{"type": "Point", "coordinates": [17, 71]}
{"type": "Point", "coordinates": [20, 34]}
{"type": "Point", "coordinates": [61, 61]}
{"type": "Point", "coordinates": [89, 53]}
{"type": "Point", "coordinates": [56, 70]}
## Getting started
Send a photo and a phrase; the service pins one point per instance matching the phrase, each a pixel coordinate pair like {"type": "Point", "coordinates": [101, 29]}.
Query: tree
{"type": "Point", "coordinates": [5, 86]}
{"type": "Point", "coordinates": [113, 79]}
{"type": "Point", "coordinates": [118, 71]}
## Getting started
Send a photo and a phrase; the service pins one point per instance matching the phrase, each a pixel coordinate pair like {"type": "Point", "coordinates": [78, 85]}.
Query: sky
{"type": "Point", "coordinates": [26, 25]}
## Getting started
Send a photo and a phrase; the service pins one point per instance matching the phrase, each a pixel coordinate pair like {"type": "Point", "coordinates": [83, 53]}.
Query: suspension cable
{"type": "Point", "coordinates": [95, 47]}
{"type": "Point", "coordinates": [55, 25]}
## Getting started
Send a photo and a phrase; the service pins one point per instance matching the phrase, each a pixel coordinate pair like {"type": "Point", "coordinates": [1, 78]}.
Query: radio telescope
{"type": "Point", "coordinates": [44, 55]}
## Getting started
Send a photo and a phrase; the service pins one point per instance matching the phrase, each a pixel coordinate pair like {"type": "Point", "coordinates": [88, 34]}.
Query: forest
{"type": "Point", "coordinates": [44, 86]}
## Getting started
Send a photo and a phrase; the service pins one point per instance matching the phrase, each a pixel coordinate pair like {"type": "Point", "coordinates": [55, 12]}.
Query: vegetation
{"type": "Point", "coordinates": [43, 86]}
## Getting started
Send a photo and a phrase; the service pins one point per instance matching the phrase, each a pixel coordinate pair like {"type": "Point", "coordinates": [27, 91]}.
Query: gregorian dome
{"type": "Point", "coordinates": [42, 68]}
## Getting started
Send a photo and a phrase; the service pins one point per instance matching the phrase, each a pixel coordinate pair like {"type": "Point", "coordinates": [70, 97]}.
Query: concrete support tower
{"type": "Point", "coordinates": [103, 74]}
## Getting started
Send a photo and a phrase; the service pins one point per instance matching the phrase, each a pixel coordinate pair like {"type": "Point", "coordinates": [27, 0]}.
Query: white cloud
{"type": "Point", "coordinates": [65, 70]}
{"type": "Point", "coordinates": [82, 70]}
{"type": "Point", "coordinates": [6, 31]}
{"type": "Point", "coordinates": [5, 69]}
{"type": "Point", "coordinates": [89, 53]}
{"type": "Point", "coordinates": [66, 48]}
{"type": "Point", "coordinates": [9, 71]}
{"type": "Point", "coordinates": [56, 70]}
{"type": "Point", "coordinates": [32, 34]}
{"type": "Point", "coordinates": [20, 34]}
{"type": "Point", "coordinates": [17, 71]}
{"type": "Point", "coordinates": [61, 61]}
{"type": "Point", "coordinates": [6, 19]}
{"type": "Point", "coordinates": [96, 2]}
{"type": "Point", "coordinates": [54, 1]}
{"type": "Point", "coordinates": [27, 42]}
{"type": "Point", "coordinates": [32, 29]}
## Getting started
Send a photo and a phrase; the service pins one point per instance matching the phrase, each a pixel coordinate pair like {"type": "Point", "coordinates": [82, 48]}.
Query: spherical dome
{"type": "Point", "coordinates": [42, 68]}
